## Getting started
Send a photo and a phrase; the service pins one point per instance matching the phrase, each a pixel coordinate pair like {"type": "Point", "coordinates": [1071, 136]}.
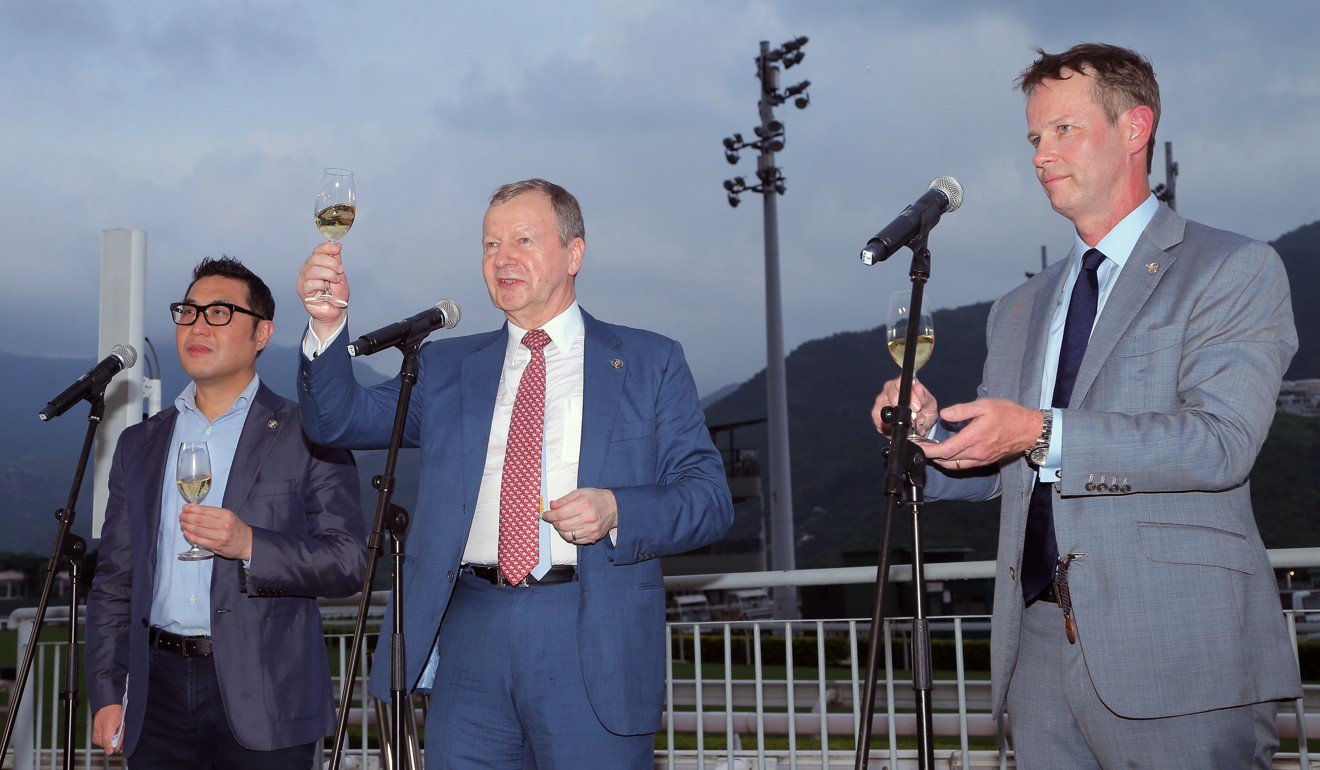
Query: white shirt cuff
{"type": "Point", "coordinates": [312, 346]}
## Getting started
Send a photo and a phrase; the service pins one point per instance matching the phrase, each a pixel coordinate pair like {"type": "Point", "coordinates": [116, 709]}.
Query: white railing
{"type": "Point", "coordinates": [740, 694]}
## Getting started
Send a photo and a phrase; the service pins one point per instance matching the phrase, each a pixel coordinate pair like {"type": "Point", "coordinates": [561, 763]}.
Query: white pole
{"type": "Point", "coordinates": [123, 295]}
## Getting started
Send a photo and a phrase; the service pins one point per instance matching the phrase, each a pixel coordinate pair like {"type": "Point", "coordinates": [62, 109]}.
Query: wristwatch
{"type": "Point", "coordinates": [1039, 451]}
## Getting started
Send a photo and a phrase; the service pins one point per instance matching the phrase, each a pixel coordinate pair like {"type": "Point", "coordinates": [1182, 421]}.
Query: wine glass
{"type": "Point", "coordinates": [898, 320]}
{"type": "Point", "coordinates": [194, 478]}
{"type": "Point", "coordinates": [336, 206]}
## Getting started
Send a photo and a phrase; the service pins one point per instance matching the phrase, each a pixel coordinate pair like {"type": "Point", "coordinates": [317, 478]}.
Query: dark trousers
{"type": "Point", "coordinates": [185, 724]}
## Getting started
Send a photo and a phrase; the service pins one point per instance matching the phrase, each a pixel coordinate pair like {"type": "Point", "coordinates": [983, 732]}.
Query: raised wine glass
{"type": "Point", "coordinates": [336, 207]}
{"type": "Point", "coordinates": [898, 319]}
{"type": "Point", "coordinates": [194, 479]}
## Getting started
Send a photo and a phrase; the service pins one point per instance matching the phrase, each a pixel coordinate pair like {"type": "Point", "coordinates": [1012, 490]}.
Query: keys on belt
{"type": "Point", "coordinates": [562, 573]}
{"type": "Point", "coordinates": [1058, 593]}
{"type": "Point", "coordinates": [187, 646]}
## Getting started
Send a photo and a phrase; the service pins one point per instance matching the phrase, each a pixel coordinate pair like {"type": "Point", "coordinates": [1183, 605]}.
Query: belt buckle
{"type": "Point", "coordinates": [504, 583]}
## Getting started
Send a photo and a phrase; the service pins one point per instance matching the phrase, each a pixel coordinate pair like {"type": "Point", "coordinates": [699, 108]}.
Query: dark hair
{"type": "Point", "coordinates": [568, 215]}
{"type": "Point", "coordinates": [1120, 80]}
{"type": "Point", "coordinates": [259, 298]}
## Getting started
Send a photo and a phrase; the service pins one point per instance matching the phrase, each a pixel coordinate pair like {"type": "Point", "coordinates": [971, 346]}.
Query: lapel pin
{"type": "Point", "coordinates": [273, 424]}
{"type": "Point", "coordinates": [617, 363]}
{"type": "Point", "coordinates": [1153, 268]}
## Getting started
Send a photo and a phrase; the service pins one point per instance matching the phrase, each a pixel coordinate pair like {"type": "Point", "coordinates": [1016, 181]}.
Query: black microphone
{"type": "Point", "coordinates": [945, 195]}
{"type": "Point", "coordinates": [444, 315]}
{"type": "Point", "coordinates": [91, 383]}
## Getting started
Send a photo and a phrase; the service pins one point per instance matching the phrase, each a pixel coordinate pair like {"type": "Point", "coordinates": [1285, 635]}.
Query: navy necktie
{"type": "Point", "coordinates": [1040, 551]}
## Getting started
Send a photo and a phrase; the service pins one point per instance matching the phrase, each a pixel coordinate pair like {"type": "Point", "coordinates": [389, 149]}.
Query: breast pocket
{"type": "Point", "coordinates": [272, 488]}
{"type": "Point", "coordinates": [1141, 373]}
{"type": "Point", "coordinates": [628, 431]}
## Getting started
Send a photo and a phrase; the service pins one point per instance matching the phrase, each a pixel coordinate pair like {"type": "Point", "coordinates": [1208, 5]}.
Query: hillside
{"type": "Point", "coordinates": [835, 453]}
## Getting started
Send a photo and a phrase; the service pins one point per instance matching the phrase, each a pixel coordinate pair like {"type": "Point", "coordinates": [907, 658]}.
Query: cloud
{"type": "Point", "coordinates": [208, 124]}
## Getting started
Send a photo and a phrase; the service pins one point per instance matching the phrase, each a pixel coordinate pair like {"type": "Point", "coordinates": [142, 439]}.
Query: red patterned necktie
{"type": "Point", "coordinates": [520, 489]}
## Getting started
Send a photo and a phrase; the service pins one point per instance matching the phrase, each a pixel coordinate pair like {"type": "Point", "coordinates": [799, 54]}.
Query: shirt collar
{"type": "Point", "coordinates": [187, 400]}
{"type": "Point", "coordinates": [564, 329]}
{"type": "Point", "coordinates": [1118, 243]}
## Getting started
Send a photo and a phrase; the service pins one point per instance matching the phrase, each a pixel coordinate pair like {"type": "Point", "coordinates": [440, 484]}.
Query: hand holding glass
{"type": "Point", "coordinates": [336, 207]}
{"type": "Point", "coordinates": [898, 320]}
{"type": "Point", "coordinates": [194, 479]}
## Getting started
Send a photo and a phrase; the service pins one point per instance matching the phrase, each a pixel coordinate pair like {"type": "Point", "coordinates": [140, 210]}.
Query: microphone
{"type": "Point", "coordinates": [945, 195]}
{"type": "Point", "coordinates": [91, 383]}
{"type": "Point", "coordinates": [444, 314]}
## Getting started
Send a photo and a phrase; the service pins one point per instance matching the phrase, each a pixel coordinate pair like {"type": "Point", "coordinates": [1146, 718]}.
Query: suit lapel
{"type": "Point", "coordinates": [604, 371]}
{"type": "Point", "coordinates": [1042, 314]}
{"type": "Point", "coordinates": [156, 453]}
{"type": "Point", "coordinates": [479, 386]}
{"type": "Point", "coordinates": [264, 418]}
{"type": "Point", "coordinates": [1131, 291]}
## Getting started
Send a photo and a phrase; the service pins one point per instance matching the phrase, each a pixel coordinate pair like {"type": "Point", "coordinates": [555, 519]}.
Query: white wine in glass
{"type": "Point", "coordinates": [336, 208]}
{"type": "Point", "coordinates": [898, 320]}
{"type": "Point", "coordinates": [194, 478]}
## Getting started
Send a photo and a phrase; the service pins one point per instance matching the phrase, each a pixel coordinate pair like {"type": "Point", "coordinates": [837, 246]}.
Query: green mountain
{"type": "Point", "coordinates": [835, 452]}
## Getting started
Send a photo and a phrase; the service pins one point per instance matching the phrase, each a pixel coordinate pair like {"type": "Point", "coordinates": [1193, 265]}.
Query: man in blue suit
{"type": "Point", "coordinates": [560, 456]}
{"type": "Point", "coordinates": [1126, 392]}
{"type": "Point", "coordinates": [223, 659]}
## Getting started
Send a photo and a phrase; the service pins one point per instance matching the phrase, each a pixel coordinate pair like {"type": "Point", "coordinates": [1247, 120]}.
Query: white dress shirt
{"type": "Point", "coordinates": [564, 358]}
{"type": "Point", "coordinates": [563, 433]}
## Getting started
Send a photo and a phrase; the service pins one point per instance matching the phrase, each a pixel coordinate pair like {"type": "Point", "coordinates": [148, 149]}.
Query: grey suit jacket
{"type": "Point", "coordinates": [1176, 604]}
{"type": "Point", "coordinates": [308, 540]}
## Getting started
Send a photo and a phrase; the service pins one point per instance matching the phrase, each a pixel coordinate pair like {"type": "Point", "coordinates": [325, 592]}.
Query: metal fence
{"type": "Point", "coordinates": [781, 694]}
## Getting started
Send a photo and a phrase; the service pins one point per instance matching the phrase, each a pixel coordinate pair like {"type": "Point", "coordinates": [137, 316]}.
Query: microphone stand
{"type": "Point", "coordinates": [70, 546]}
{"type": "Point", "coordinates": [905, 480]}
{"type": "Point", "coordinates": [393, 519]}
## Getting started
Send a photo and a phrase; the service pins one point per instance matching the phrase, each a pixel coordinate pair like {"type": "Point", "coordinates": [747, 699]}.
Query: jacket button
{"type": "Point", "coordinates": [1012, 573]}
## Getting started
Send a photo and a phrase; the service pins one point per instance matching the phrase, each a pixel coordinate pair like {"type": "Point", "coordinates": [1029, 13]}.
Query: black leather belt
{"type": "Point", "coordinates": [1048, 595]}
{"type": "Point", "coordinates": [187, 646]}
{"type": "Point", "coordinates": [562, 573]}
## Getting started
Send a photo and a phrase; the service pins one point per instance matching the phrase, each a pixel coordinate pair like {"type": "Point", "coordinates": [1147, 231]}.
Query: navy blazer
{"type": "Point", "coordinates": [644, 437]}
{"type": "Point", "coordinates": [308, 540]}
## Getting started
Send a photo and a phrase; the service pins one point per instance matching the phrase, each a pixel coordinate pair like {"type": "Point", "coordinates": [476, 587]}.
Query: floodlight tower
{"type": "Point", "coordinates": [769, 140]}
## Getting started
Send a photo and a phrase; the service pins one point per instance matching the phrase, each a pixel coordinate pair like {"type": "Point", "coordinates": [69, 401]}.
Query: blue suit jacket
{"type": "Point", "coordinates": [643, 437]}
{"type": "Point", "coordinates": [1176, 606]}
{"type": "Point", "coordinates": [308, 540]}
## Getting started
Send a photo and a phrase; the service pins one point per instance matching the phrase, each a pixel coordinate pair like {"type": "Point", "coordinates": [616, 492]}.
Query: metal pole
{"type": "Point", "coordinates": [781, 483]}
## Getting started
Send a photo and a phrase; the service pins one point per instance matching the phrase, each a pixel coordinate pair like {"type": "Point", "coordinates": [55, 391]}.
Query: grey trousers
{"type": "Point", "coordinates": [1058, 720]}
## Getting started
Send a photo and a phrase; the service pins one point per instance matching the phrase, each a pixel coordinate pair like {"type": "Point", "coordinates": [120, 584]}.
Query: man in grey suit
{"type": "Point", "coordinates": [1126, 392]}
{"type": "Point", "coordinates": [223, 660]}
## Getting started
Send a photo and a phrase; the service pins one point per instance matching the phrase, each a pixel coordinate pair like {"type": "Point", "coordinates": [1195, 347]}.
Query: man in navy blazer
{"type": "Point", "coordinates": [1136, 616]}
{"type": "Point", "coordinates": [563, 668]}
{"type": "Point", "coordinates": [223, 659]}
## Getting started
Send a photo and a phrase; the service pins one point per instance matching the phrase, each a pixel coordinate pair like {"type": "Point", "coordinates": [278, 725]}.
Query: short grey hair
{"type": "Point", "coordinates": [568, 215]}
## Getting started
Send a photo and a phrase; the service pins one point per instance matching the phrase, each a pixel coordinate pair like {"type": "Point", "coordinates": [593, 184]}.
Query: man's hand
{"type": "Point", "coordinates": [925, 409]}
{"type": "Point", "coordinates": [218, 530]}
{"type": "Point", "coordinates": [105, 724]}
{"type": "Point", "coordinates": [584, 516]}
{"type": "Point", "coordinates": [324, 271]}
{"type": "Point", "coordinates": [997, 428]}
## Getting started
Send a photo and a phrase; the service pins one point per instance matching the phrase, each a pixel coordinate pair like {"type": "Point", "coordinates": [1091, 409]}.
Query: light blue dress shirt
{"type": "Point", "coordinates": [1117, 246]}
{"type": "Point", "coordinates": [181, 602]}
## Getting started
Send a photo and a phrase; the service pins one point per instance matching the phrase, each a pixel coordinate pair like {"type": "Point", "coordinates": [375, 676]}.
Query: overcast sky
{"type": "Point", "coordinates": [207, 125]}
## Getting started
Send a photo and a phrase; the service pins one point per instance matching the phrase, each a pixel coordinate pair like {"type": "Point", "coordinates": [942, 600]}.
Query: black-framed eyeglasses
{"type": "Point", "coordinates": [216, 313]}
